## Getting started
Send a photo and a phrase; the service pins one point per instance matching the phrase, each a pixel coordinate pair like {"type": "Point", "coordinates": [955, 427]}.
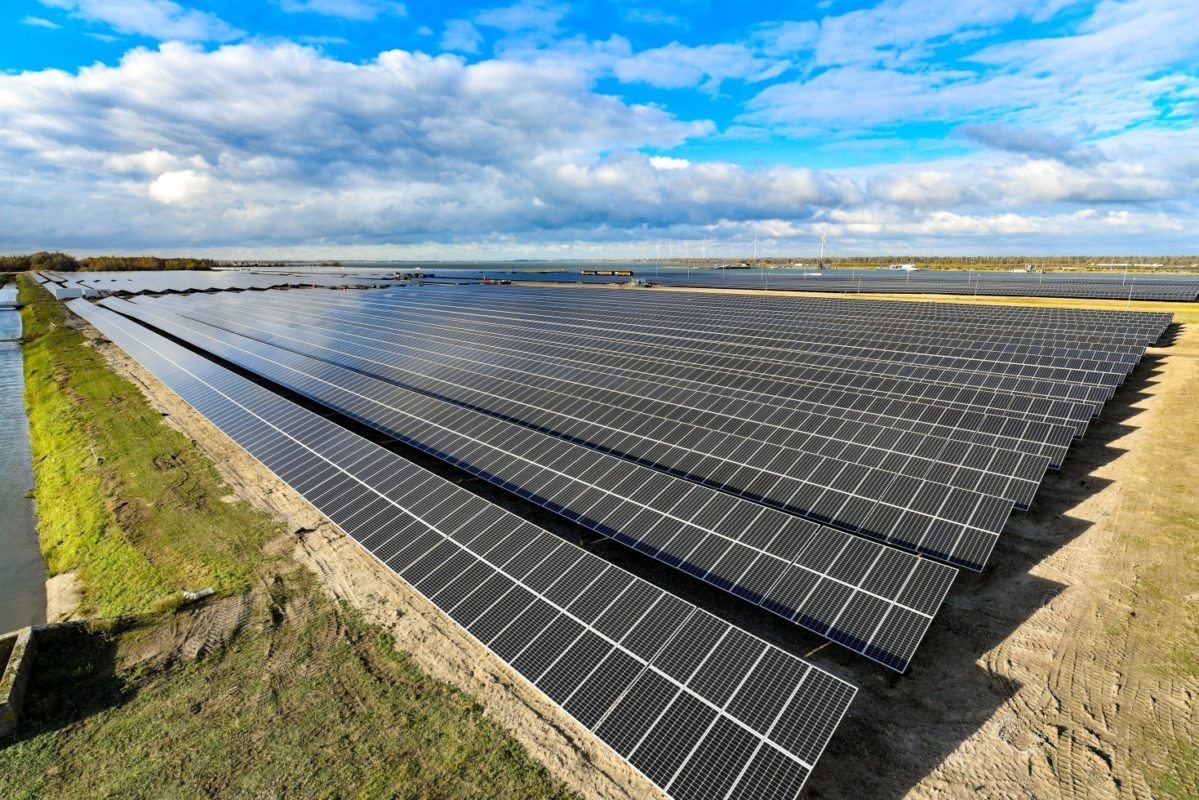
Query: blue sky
{"type": "Point", "coordinates": [373, 128]}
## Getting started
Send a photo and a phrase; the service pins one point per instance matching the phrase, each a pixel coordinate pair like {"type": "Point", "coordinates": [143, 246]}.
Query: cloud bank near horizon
{"type": "Point", "coordinates": [520, 131]}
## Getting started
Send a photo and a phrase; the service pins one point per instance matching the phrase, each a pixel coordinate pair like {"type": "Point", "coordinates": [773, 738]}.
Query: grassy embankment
{"type": "Point", "coordinates": [299, 697]}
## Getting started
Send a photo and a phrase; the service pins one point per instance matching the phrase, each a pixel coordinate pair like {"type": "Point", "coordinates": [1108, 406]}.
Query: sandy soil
{"type": "Point", "coordinates": [1066, 670]}
{"type": "Point", "coordinates": [437, 645]}
{"type": "Point", "coordinates": [63, 596]}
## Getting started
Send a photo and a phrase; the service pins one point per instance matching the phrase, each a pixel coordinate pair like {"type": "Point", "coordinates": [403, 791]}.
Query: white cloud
{"type": "Point", "coordinates": [675, 66]}
{"type": "Point", "coordinates": [887, 66]}
{"type": "Point", "coordinates": [360, 10]}
{"type": "Point", "coordinates": [40, 22]}
{"type": "Point", "coordinates": [157, 19]}
{"type": "Point", "coordinates": [152, 162]}
{"type": "Point", "coordinates": [322, 40]}
{"type": "Point", "coordinates": [665, 162]}
{"type": "Point", "coordinates": [180, 187]}
{"type": "Point", "coordinates": [305, 146]}
{"type": "Point", "coordinates": [460, 36]}
{"type": "Point", "coordinates": [655, 16]}
{"type": "Point", "coordinates": [281, 146]}
{"type": "Point", "coordinates": [531, 15]}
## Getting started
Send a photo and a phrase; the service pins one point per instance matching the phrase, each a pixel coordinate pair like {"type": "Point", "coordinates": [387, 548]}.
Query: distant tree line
{"type": "Point", "coordinates": [57, 262]}
{"type": "Point", "coordinates": [61, 262]}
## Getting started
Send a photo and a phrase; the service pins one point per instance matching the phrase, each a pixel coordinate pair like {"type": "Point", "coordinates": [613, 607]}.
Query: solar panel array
{"type": "Point", "coordinates": [829, 460]}
{"type": "Point", "coordinates": [508, 386]}
{"type": "Point", "coordinates": [701, 708]}
{"type": "Point", "coordinates": [66, 285]}
{"type": "Point", "coordinates": [1092, 285]}
{"type": "Point", "coordinates": [962, 531]}
{"type": "Point", "coordinates": [702, 399]}
{"type": "Point", "coordinates": [875, 601]}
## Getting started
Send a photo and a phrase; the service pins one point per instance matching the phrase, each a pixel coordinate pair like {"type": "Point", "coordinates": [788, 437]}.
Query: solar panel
{"type": "Point", "coordinates": [94, 284]}
{"type": "Point", "coordinates": [609, 322]}
{"type": "Point", "coordinates": [691, 702]}
{"type": "Point", "coordinates": [804, 572]}
{"type": "Point", "coordinates": [699, 429]}
{"type": "Point", "coordinates": [1114, 286]}
{"type": "Point", "coordinates": [629, 422]}
{"type": "Point", "coordinates": [711, 372]}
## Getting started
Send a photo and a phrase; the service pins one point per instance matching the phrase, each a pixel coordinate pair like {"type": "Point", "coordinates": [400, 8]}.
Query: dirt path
{"type": "Point", "coordinates": [1108, 685]}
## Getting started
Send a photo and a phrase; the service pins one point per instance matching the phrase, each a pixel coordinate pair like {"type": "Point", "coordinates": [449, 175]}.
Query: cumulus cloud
{"type": "Point", "coordinates": [157, 19]}
{"type": "Point", "coordinates": [666, 162]}
{"type": "Point", "coordinates": [282, 141]}
{"type": "Point", "coordinates": [280, 146]}
{"type": "Point", "coordinates": [180, 186]}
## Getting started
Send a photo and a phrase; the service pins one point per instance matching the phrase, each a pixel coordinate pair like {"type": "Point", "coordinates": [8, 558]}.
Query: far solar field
{"type": "Point", "coordinates": [983, 283]}
{"type": "Point", "coordinates": [832, 461]}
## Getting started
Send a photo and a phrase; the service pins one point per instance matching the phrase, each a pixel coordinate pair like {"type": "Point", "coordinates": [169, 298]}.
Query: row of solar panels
{"type": "Point", "coordinates": [1115, 286]}
{"type": "Point", "coordinates": [65, 285]}
{"type": "Point", "coordinates": [636, 431]}
{"type": "Point", "coordinates": [701, 708]}
{"type": "Point", "coordinates": [980, 285]}
{"type": "Point", "coordinates": [1136, 286]}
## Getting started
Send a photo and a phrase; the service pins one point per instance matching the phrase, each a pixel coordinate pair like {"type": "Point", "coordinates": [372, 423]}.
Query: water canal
{"type": "Point", "coordinates": [22, 570]}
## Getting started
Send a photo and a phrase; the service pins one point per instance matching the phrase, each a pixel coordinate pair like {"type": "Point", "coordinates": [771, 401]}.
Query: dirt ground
{"type": "Point", "coordinates": [62, 597]}
{"type": "Point", "coordinates": [1069, 669]}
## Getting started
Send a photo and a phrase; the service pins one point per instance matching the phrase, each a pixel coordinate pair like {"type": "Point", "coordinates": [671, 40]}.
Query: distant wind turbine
{"type": "Point", "coordinates": [755, 245]}
{"type": "Point", "coordinates": [704, 247]}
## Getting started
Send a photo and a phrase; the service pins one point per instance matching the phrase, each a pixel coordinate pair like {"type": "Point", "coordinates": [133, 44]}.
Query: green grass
{"type": "Point", "coordinates": [1180, 780]}
{"type": "Point", "coordinates": [131, 505]}
{"type": "Point", "coordinates": [318, 705]}
{"type": "Point", "coordinates": [305, 699]}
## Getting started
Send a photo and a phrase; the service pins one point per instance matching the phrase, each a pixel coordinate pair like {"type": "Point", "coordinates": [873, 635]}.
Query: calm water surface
{"type": "Point", "coordinates": [22, 571]}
